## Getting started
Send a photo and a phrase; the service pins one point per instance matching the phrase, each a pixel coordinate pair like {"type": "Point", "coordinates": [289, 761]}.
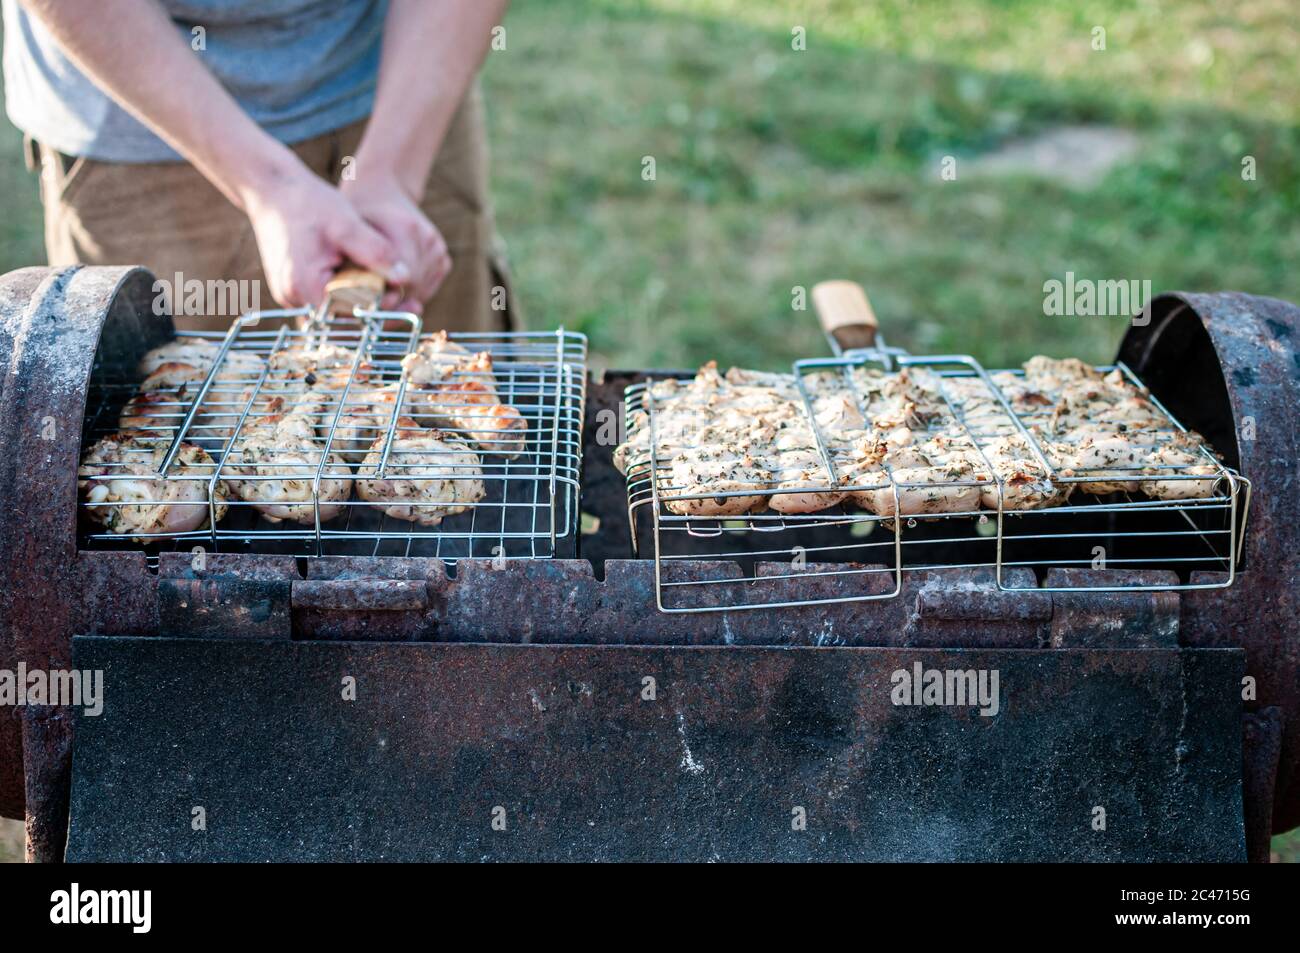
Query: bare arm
{"type": "Point", "coordinates": [133, 51]}
{"type": "Point", "coordinates": [432, 49]}
{"type": "Point", "coordinates": [431, 52]}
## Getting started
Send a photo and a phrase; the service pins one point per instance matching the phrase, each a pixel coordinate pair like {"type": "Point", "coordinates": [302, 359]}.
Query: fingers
{"type": "Point", "coordinates": [425, 247]}
{"type": "Point", "coordinates": [299, 272]}
{"type": "Point", "coordinates": [370, 249]}
{"type": "Point", "coordinates": [389, 234]}
{"type": "Point", "coordinates": [441, 266]}
{"type": "Point", "coordinates": [300, 283]}
{"type": "Point", "coordinates": [428, 251]}
{"type": "Point", "coordinates": [305, 231]}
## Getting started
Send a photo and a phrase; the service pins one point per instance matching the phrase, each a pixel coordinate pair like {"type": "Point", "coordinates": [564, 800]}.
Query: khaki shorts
{"type": "Point", "coordinates": [167, 217]}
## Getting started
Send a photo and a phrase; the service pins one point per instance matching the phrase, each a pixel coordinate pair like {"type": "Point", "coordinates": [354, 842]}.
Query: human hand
{"type": "Point", "coordinates": [306, 229]}
{"type": "Point", "coordinates": [387, 208]}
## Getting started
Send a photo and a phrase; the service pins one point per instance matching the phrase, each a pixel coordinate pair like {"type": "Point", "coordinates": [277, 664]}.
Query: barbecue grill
{"type": "Point", "coordinates": [516, 692]}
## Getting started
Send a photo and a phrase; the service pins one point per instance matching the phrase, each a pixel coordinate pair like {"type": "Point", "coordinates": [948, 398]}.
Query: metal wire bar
{"type": "Point", "coordinates": [1211, 537]}
{"type": "Point", "coordinates": [1139, 474]}
{"type": "Point", "coordinates": [542, 375]}
{"type": "Point", "coordinates": [644, 397]}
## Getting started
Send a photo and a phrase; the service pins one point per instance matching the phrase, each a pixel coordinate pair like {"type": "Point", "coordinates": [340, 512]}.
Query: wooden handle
{"type": "Point", "coordinates": [845, 314]}
{"type": "Point", "coordinates": [353, 287]}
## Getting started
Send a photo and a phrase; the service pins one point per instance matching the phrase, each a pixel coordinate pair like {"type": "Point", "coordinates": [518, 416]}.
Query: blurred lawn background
{"type": "Point", "coordinates": [11, 841]}
{"type": "Point", "coordinates": [778, 168]}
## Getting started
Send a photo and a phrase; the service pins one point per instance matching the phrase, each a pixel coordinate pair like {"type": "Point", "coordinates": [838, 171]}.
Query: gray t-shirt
{"type": "Point", "coordinates": [299, 68]}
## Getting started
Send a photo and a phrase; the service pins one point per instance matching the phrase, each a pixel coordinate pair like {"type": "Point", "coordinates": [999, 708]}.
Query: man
{"type": "Point", "coordinates": [206, 138]}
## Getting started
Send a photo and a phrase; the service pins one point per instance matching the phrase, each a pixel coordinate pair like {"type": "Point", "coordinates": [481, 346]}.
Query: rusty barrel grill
{"type": "Point", "coordinates": [518, 694]}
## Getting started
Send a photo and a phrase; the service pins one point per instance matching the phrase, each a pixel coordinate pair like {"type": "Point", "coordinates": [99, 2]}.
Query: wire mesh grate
{"type": "Point", "coordinates": [358, 435]}
{"type": "Point", "coordinates": [1020, 507]}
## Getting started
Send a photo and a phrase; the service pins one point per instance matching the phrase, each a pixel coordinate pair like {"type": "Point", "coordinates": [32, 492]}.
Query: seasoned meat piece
{"type": "Point", "coordinates": [1118, 412]}
{"type": "Point", "coordinates": [174, 375]}
{"type": "Point", "coordinates": [930, 466]}
{"type": "Point", "coordinates": [857, 457]}
{"type": "Point", "coordinates": [1173, 460]}
{"type": "Point", "coordinates": [1103, 457]}
{"type": "Point", "coordinates": [366, 417]}
{"type": "Point", "coordinates": [914, 395]}
{"type": "Point", "coordinates": [327, 367]}
{"type": "Point", "coordinates": [753, 392]}
{"type": "Point", "coordinates": [165, 410]}
{"type": "Point", "coordinates": [429, 475]}
{"type": "Point", "coordinates": [705, 471]}
{"type": "Point", "coordinates": [200, 353]}
{"type": "Point", "coordinates": [219, 415]}
{"type": "Point", "coordinates": [1096, 426]}
{"type": "Point", "coordinates": [635, 451]}
{"type": "Point", "coordinates": [829, 382]}
{"type": "Point", "coordinates": [727, 407]}
{"type": "Point", "coordinates": [984, 414]}
{"type": "Point", "coordinates": [1026, 484]}
{"type": "Point", "coordinates": [911, 400]}
{"type": "Point", "coordinates": [838, 412]}
{"type": "Point", "coordinates": [273, 466]}
{"type": "Point", "coordinates": [676, 426]}
{"type": "Point", "coordinates": [782, 384]}
{"type": "Point", "coordinates": [1027, 396]}
{"type": "Point", "coordinates": [437, 358]}
{"type": "Point", "coordinates": [193, 351]}
{"type": "Point", "coordinates": [867, 381]}
{"type": "Point", "coordinates": [1126, 462]}
{"type": "Point", "coordinates": [1053, 374]}
{"type": "Point", "coordinates": [154, 412]}
{"type": "Point", "coordinates": [121, 472]}
{"type": "Point", "coordinates": [455, 390]}
{"type": "Point", "coordinates": [868, 475]}
{"type": "Point", "coordinates": [796, 465]}
{"type": "Point", "coordinates": [187, 362]}
{"type": "Point", "coordinates": [326, 370]}
{"type": "Point", "coordinates": [473, 408]}
{"type": "Point", "coordinates": [706, 378]}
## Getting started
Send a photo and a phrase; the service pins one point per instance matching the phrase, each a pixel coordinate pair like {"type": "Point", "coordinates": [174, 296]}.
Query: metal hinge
{"type": "Point", "coordinates": [1134, 619]}
{"type": "Point", "coordinates": [960, 604]}
{"type": "Point", "coordinates": [1142, 620]}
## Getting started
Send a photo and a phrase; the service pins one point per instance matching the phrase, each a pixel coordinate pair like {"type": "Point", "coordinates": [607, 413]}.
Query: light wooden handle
{"type": "Point", "coordinates": [353, 287]}
{"type": "Point", "coordinates": [845, 314]}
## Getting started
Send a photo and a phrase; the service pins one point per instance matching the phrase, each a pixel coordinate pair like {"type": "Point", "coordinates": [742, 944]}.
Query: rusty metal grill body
{"type": "Point", "coordinates": [574, 630]}
{"type": "Point", "coordinates": [530, 505]}
{"type": "Point", "coordinates": [705, 564]}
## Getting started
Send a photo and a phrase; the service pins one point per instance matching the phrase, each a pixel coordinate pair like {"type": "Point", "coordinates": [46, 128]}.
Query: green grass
{"type": "Point", "coordinates": [1286, 848]}
{"type": "Point", "coordinates": [12, 841]}
{"type": "Point", "coordinates": [778, 168]}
